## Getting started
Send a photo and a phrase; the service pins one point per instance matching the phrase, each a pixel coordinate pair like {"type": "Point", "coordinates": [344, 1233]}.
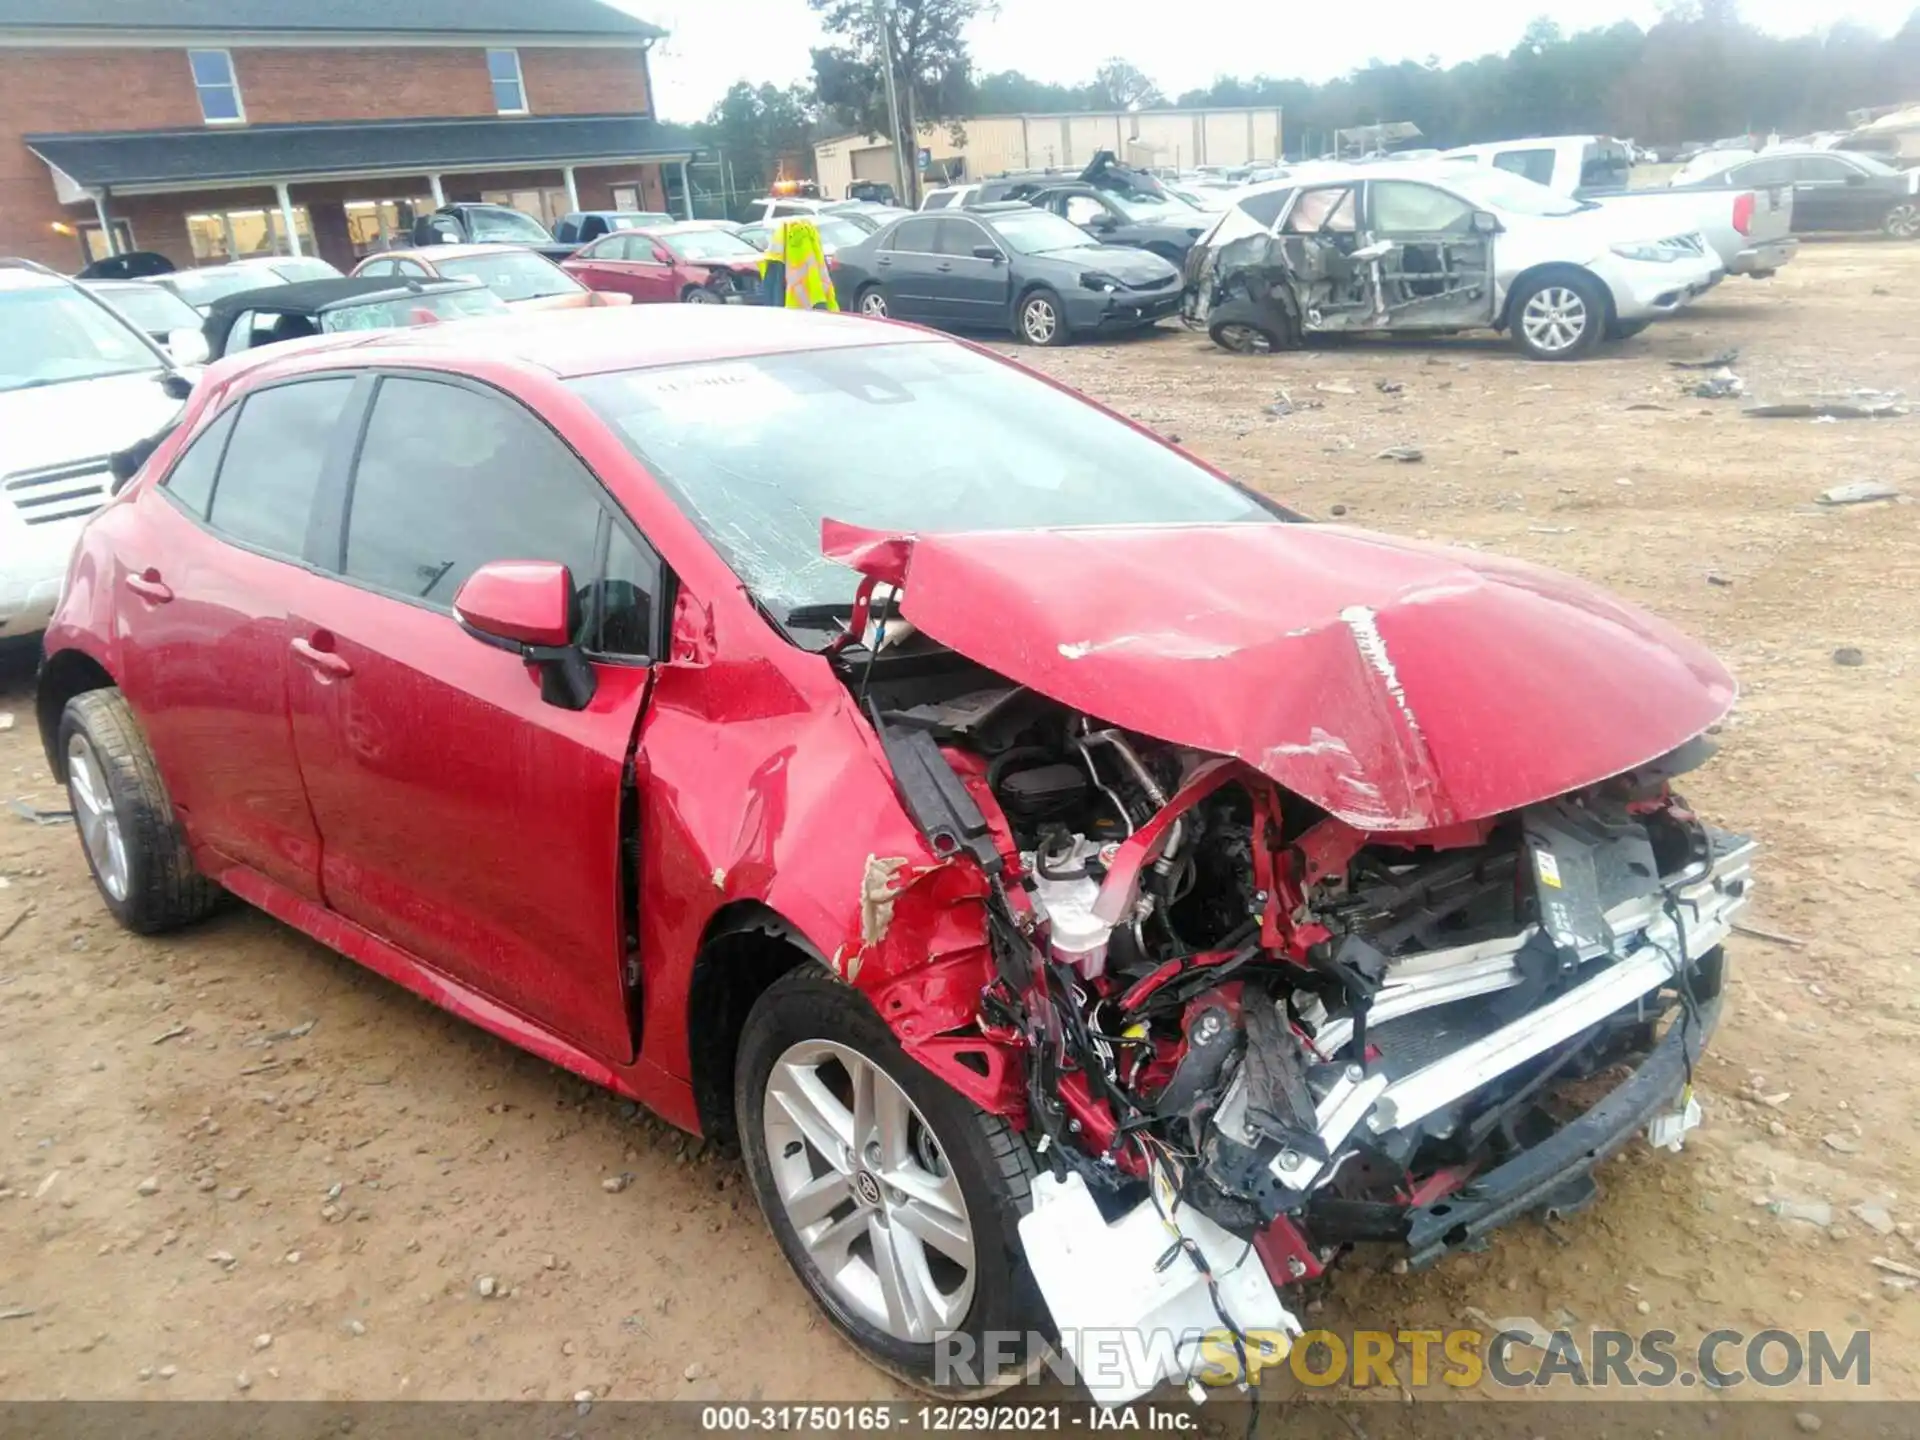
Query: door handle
{"type": "Point", "coordinates": [884, 261]}
{"type": "Point", "coordinates": [944, 267]}
{"type": "Point", "coordinates": [149, 586]}
{"type": "Point", "coordinates": [325, 662]}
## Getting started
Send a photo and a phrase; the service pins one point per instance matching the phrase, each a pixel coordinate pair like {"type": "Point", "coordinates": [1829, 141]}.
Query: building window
{"type": "Point", "coordinates": [509, 90]}
{"type": "Point", "coordinates": [219, 91]}
{"type": "Point", "coordinates": [238, 234]}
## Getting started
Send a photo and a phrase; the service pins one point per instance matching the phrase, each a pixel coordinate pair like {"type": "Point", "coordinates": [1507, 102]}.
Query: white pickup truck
{"type": "Point", "coordinates": [1750, 229]}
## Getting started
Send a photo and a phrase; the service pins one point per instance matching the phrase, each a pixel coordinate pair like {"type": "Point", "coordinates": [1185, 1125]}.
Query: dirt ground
{"type": "Point", "coordinates": [333, 1166]}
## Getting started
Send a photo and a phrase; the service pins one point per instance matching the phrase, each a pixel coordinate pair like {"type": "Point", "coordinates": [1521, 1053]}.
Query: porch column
{"type": "Point", "coordinates": [439, 195]}
{"type": "Point", "coordinates": [106, 220]}
{"type": "Point", "coordinates": [573, 190]}
{"type": "Point", "coordinates": [286, 217]}
{"type": "Point", "coordinates": [686, 190]}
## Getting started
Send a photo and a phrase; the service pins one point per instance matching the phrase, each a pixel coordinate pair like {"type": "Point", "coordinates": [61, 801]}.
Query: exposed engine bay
{"type": "Point", "coordinates": [1223, 998]}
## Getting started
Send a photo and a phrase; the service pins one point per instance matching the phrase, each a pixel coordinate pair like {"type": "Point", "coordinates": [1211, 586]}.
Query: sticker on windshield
{"type": "Point", "coordinates": [701, 393]}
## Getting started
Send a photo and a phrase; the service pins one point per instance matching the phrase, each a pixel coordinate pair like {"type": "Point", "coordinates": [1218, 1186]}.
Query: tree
{"type": "Point", "coordinates": [758, 125]}
{"type": "Point", "coordinates": [1125, 87]}
{"type": "Point", "coordinates": [925, 43]}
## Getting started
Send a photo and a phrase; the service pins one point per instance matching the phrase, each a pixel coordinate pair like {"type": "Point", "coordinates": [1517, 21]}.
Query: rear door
{"type": "Point", "coordinates": [463, 818]}
{"type": "Point", "coordinates": [971, 292]}
{"type": "Point", "coordinates": [908, 268]}
{"type": "Point", "coordinates": [1825, 199]}
{"type": "Point", "coordinates": [220, 556]}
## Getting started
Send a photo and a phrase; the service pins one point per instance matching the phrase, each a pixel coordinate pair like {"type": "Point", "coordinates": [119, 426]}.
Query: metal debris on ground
{"type": "Point", "coordinates": [15, 923]}
{"type": "Point", "coordinates": [1858, 405]}
{"type": "Point", "coordinates": [1405, 454]}
{"type": "Point", "coordinates": [1388, 387]}
{"type": "Point", "coordinates": [173, 1032]}
{"type": "Point", "coordinates": [1335, 387]}
{"type": "Point", "coordinates": [1741, 927]}
{"type": "Point", "coordinates": [38, 816]}
{"type": "Point", "coordinates": [1647, 405]}
{"type": "Point", "coordinates": [1712, 362]}
{"type": "Point", "coordinates": [296, 1033]}
{"type": "Point", "coordinates": [1895, 1267]}
{"type": "Point", "coordinates": [16, 1312]}
{"type": "Point", "coordinates": [1721, 385]}
{"type": "Point", "coordinates": [1860, 492]}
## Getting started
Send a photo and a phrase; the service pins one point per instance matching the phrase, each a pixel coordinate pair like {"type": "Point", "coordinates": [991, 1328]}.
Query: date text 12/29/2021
{"type": "Point", "coordinates": [909, 1418]}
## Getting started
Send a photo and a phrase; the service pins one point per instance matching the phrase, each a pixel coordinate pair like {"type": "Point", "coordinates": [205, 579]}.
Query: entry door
{"type": "Point", "coordinates": [908, 268]}
{"type": "Point", "coordinates": [1439, 274]}
{"type": "Point", "coordinates": [211, 565]}
{"type": "Point", "coordinates": [968, 291]}
{"type": "Point", "coordinates": [462, 817]}
{"type": "Point", "coordinates": [1824, 200]}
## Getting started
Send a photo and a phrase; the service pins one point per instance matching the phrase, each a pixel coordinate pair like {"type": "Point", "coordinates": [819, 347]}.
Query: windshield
{"type": "Point", "coordinates": [759, 451]}
{"type": "Point", "coordinates": [154, 310]}
{"type": "Point", "coordinates": [52, 334]}
{"type": "Point", "coordinates": [405, 310]}
{"type": "Point", "coordinates": [835, 232]}
{"type": "Point", "coordinates": [511, 274]}
{"type": "Point", "coordinates": [508, 226]}
{"type": "Point", "coordinates": [1152, 209]}
{"type": "Point", "coordinates": [1503, 190]}
{"type": "Point", "coordinates": [304, 268]}
{"type": "Point", "coordinates": [698, 245]}
{"type": "Point", "coordinates": [1038, 231]}
{"type": "Point", "coordinates": [202, 287]}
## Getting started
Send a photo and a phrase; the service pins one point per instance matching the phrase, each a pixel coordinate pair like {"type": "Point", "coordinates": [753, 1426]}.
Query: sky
{"type": "Point", "coordinates": [1181, 44]}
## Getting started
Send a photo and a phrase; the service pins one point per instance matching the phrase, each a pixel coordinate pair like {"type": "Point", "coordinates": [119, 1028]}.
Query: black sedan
{"type": "Point", "coordinates": [1833, 190]}
{"type": "Point", "coordinates": [1167, 226]}
{"type": "Point", "coordinates": [1005, 267]}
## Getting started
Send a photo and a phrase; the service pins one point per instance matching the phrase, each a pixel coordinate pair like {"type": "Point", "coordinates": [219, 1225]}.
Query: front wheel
{"type": "Point", "coordinates": [893, 1198]}
{"type": "Point", "coordinates": [873, 302]}
{"type": "Point", "coordinates": [695, 295]}
{"type": "Point", "coordinates": [1903, 221]}
{"type": "Point", "coordinates": [1042, 320]}
{"type": "Point", "coordinates": [1559, 317]}
{"type": "Point", "coordinates": [128, 832]}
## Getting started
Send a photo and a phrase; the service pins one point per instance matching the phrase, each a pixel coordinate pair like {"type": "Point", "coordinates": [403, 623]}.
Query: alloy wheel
{"type": "Point", "coordinates": [1903, 221]}
{"type": "Point", "coordinates": [1555, 319]}
{"type": "Point", "coordinates": [868, 1191]}
{"type": "Point", "coordinates": [94, 812]}
{"type": "Point", "coordinates": [874, 303]}
{"type": "Point", "coordinates": [1038, 321]}
{"type": "Point", "coordinates": [702, 297]}
{"type": "Point", "coordinates": [1245, 340]}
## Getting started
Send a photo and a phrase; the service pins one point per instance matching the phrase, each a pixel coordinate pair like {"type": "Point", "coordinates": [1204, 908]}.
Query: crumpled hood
{"type": "Point", "coordinates": [1135, 267]}
{"type": "Point", "coordinates": [81, 420]}
{"type": "Point", "coordinates": [1397, 685]}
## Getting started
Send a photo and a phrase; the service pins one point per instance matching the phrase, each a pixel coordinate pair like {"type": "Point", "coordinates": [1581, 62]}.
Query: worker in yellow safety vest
{"type": "Point", "coordinates": [794, 269]}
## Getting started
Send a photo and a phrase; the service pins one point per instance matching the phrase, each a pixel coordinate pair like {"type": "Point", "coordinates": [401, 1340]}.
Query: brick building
{"type": "Point", "coordinates": [213, 129]}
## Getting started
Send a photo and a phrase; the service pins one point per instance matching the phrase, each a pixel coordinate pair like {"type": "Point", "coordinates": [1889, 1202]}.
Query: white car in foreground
{"type": "Point", "coordinates": [1426, 248]}
{"type": "Point", "coordinates": [77, 383]}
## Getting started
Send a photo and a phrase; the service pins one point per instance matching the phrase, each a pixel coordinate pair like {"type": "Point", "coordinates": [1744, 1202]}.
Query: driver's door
{"type": "Point", "coordinates": [461, 816]}
{"type": "Point", "coordinates": [1824, 200]}
{"type": "Point", "coordinates": [1438, 275]}
{"type": "Point", "coordinates": [1317, 238]}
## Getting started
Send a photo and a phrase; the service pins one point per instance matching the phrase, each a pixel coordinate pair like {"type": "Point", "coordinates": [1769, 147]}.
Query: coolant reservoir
{"type": "Point", "coordinates": [1065, 887]}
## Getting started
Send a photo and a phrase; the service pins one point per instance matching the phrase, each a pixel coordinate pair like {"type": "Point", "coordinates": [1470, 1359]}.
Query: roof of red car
{"type": "Point", "coordinates": [591, 342]}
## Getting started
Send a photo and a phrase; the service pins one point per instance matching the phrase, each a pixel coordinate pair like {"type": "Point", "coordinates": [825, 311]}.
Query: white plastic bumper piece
{"type": "Point", "coordinates": [1126, 1323]}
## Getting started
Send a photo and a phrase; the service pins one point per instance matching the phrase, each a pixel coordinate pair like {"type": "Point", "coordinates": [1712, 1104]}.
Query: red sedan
{"type": "Point", "coordinates": [694, 262]}
{"type": "Point", "coordinates": [1066, 873]}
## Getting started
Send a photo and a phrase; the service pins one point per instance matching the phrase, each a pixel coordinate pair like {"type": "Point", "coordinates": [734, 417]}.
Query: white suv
{"type": "Point", "coordinates": [77, 383]}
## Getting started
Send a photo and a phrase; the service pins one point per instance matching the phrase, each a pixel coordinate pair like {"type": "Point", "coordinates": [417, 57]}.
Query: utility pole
{"type": "Point", "coordinates": [883, 12]}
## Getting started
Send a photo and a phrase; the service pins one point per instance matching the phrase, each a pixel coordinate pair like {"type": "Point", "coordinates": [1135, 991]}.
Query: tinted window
{"type": "Point", "coordinates": [1763, 172]}
{"type": "Point", "coordinates": [450, 479]}
{"type": "Point", "coordinates": [1402, 208]}
{"type": "Point", "coordinates": [1081, 209]}
{"type": "Point", "coordinates": [938, 200]}
{"type": "Point", "coordinates": [958, 237]}
{"type": "Point", "coordinates": [625, 599]}
{"type": "Point", "coordinates": [1536, 165]}
{"type": "Point", "coordinates": [1605, 167]}
{"type": "Point", "coordinates": [191, 483]}
{"type": "Point", "coordinates": [273, 463]}
{"type": "Point", "coordinates": [919, 235]}
{"type": "Point", "coordinates": [1821, 169]}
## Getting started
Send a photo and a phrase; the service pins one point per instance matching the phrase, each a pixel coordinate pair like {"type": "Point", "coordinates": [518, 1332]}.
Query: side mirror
{"type": "Point", "coordinates": [527, 606]}
{"type": "Point", "coordinates": [1103, 223]}
{"type": "Point", "coordinates": [187, 347]}
{"type": "Point", "coordinates": [1485, 222]}
{"type": "Point", "coordinates": [987, 252]}
{"type": "Point", "coordinates": [661, 256]}
{"type": "Point", "coordinates": [1854, 177]}
{"type": "Point", "coordinates": [176, 386]}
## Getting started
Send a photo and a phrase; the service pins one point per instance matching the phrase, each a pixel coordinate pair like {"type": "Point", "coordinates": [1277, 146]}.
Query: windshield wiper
{"type": "Point", "coordinates": [822, 614]}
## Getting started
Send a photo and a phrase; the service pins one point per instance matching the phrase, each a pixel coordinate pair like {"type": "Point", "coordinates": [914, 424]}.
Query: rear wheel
{"type": "Point", "coordinates": [1559, 317]}
{"type": "Point", "coordinates": [128, 832]}
{"type": "Point", "coordinates": [873, 301]}
{"type": "Point", "coordinates": [894, 1199]}
{"type": "Point", "coordinates": [1903, 221]}
{"type": "Point", "coordinates": [1042, 320]}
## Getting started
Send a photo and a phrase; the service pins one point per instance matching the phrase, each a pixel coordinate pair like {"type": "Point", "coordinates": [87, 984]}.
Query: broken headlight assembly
{"type": "Point", "coordinates": [1095, 280]}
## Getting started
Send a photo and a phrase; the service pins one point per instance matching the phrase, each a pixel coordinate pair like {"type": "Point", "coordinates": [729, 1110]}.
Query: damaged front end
{"type": "Point", "coordinates": [1234, 1022]}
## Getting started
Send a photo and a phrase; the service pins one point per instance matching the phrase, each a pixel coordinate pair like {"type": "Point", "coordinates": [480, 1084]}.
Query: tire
{"type": "Point", "coordinates": [1559, 316]}
{"type": "Point", "coordinates": [697, 295]}
{"type": "Point", "coordinates": [1243, 338]}
{"type": "Point", "coordinates": [1903, 221]}
{"type": "Point", "coordinates": [128, 831]}
{"type": "Point", "coordinates": [802, 1054]}
{"type": "Point", "coordinates": [872, 302]}
{"type": "Point", "coordinates": [1040, 319]}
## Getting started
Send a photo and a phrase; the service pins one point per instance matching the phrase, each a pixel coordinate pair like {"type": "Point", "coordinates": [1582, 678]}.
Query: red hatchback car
{"type": "Point", "coordinates": [1064, 871]}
